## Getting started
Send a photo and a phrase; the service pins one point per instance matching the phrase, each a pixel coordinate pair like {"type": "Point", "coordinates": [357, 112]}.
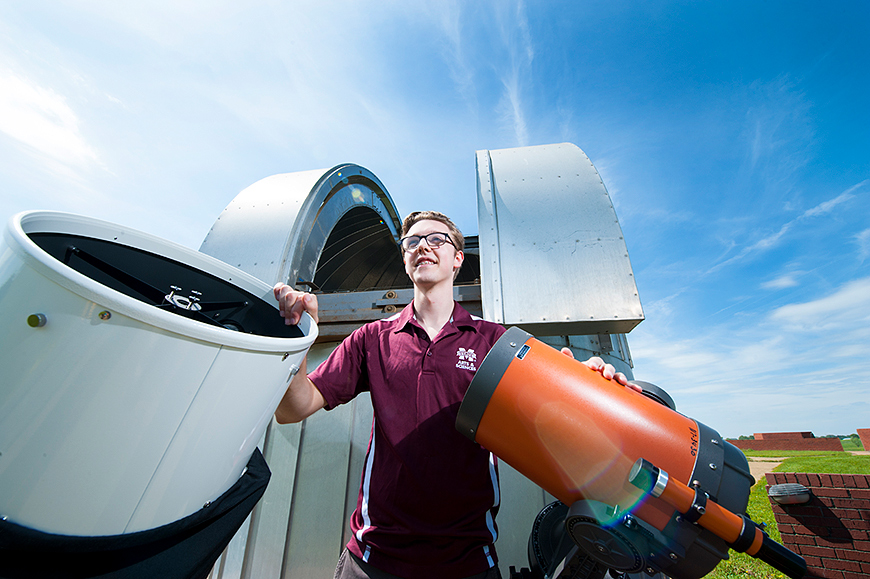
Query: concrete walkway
{"type": "Point", "coordinates": [759, 465]}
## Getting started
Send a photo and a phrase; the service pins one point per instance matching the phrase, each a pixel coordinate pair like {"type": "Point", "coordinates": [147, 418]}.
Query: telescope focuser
{"type": "Point", "coordinates": [741, 533]}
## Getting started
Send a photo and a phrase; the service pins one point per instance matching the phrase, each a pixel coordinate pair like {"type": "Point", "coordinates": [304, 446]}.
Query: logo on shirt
{"type": "Point", "coordinates": [467, 358]}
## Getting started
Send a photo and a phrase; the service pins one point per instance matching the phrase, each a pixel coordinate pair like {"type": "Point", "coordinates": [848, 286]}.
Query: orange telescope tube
{"type": "Point", "coordinates": [572, 431]}
{"type": "Point", "coordinates": [579, 436]}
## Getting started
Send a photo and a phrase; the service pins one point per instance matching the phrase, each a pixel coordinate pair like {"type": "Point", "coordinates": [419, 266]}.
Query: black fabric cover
{"type": "Point", "coordinates": [184, 549]}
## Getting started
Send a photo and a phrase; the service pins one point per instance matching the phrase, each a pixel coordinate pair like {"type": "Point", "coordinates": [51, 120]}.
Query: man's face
{"type": "Point", "coordinates": [426, 266]}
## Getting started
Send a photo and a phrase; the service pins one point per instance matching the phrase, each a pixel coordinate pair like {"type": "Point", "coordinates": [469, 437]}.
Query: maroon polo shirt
{"type": "Point", "coordinates": [428, 495]}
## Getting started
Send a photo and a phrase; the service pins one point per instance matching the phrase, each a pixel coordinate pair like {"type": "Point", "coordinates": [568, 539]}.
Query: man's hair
{"type": "Point", "coordinates": [455, 235]}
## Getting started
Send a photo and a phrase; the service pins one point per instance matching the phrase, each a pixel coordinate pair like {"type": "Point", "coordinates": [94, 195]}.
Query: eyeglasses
{"type": "Point", "coordinates": [433, 240]}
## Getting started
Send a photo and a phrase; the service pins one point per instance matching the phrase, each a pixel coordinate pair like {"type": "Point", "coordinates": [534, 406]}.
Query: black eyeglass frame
{"type": "Point", "coordinates": [426, 237]}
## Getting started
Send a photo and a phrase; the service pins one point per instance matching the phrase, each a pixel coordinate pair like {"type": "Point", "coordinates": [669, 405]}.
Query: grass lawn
{"type": "Point", "coordinates": [852, 444]}
{"type": "Point", "coordinates": [740, 565]}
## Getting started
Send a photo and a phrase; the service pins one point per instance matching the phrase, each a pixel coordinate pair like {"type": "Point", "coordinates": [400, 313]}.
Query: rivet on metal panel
{"type": "Point", "coordinates": [390, 295]}
{"type": "Point", "coordinates": [389, 309]}
{"type": "Point", "coordinates": [712, 466]}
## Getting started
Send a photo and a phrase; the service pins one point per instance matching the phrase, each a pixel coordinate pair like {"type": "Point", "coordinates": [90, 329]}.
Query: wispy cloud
{"type": "Point", "coordinates": [521, 53]}
{"type": "Point", "coordinates": [782, 282]}
{"type": "Point", "coordinates": [449, 19]}
{"type": "Point", "coordinates": [774, 239]}
{"type": "Point", "coordinates": [42, 120]}
{"type": "Point", "coordinates": [778, 131]}
{"type": "Point", "coordinates": [863, 242]}
{"type": "Point", "coordinates": [511, 107]}
{"type": "Point", "coordinates": [771, 371]}
{"type": "Point", "coordinates": [840, 311]}
{"type": "Point", "coordinates": [828, 206]}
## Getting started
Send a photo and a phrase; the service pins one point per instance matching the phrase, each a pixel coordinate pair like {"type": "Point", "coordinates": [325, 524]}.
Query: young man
{"type": "Point", "coordinates": [428, 496]}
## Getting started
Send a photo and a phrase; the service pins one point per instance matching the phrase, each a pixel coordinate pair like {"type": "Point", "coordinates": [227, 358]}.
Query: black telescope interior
{"type": "Point", "coordinates": [166, 284]}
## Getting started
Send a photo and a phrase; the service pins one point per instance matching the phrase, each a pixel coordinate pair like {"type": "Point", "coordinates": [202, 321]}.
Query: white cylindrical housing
{"type": "Point", "coordinates": [119, 413]}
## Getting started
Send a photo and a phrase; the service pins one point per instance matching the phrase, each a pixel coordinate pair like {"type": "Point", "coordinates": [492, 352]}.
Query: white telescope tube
{"type": "Point", "coordinates": [118, 415]}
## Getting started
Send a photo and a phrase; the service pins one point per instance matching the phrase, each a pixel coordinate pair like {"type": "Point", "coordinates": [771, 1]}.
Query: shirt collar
{"type": "Point", "coordinates": [406, 316]}
{"type": "Point", "coordinates": [460, 318]}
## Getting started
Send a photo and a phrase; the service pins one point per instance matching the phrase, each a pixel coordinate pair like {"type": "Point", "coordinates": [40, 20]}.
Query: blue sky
{"type": "Point", "coordinates": [733, 138]}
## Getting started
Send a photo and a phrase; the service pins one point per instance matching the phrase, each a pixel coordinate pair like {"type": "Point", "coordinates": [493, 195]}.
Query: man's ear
{"type": "Point", "coordinates": [458, 259]}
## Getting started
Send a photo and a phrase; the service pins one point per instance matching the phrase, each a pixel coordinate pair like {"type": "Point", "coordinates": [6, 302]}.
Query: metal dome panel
{"type": "Point", "coordinates": [548, 229]}
{"type": "Point", "coordinates": [332, 229]}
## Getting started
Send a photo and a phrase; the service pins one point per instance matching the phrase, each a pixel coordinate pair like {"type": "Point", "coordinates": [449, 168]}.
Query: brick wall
{"type": "Point", "coordinates": [832, 531]}
{"type": "Point", "coordinates": [864, 435]}
{"type": "Point", "coordinates": [782, 435]}
{"type": "Point", "coordinates": [790, 444]}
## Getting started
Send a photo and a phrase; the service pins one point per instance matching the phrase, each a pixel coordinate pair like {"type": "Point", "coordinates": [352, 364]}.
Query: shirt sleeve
{"type": "Point", "coordinates": [343, 374]}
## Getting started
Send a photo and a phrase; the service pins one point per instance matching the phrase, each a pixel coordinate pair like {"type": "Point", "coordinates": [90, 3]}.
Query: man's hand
{"type": "Point", "coordinates": [292, 303]}
{"type": "Point", "coordinates": [302, 398]}
{"type": "Point", "coordinates": [606, 370]}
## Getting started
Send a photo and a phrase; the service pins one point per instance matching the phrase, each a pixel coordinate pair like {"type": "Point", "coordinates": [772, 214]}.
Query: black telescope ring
{"type": "Point", "coordinates": [747, 535]}
{"type": "Point", "coordinates": [486, 380]}
{"type": "Point", "coordinates": [699, 506]}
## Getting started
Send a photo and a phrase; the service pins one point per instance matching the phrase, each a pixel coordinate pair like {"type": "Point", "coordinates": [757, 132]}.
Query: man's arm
{"type": "Point", "coordinates": [302, 398]}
